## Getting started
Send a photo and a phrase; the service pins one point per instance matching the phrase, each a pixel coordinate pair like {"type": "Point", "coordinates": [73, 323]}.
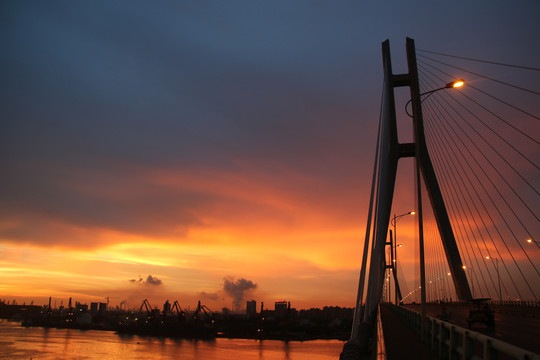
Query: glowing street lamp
{"type": "Point", "coordinates": [472, 277]}
{"type": "Point", "coordinates": [498, 274]}
{"type": "Point", "coordinates": [451, 85]}
{"type": "Point", "coordinates": [395, 247]}
{"type": "Point", "coordinates": [394, 221]}
{"type": "Point", "coordinates": [455, 84]}
{"type": "Point", "coordinates": [531, 241]}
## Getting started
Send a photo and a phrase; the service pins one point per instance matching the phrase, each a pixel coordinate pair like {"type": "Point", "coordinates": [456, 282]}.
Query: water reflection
{"type": "Point", "coordinates": [286, 349]}
{"type": "Point", "coordinates": [67, 339]}
{"type": "Point", "coordinates": [45, 337]}
{"type": "Point", "coordinates": [48, 344]}
{"type": "Point", "coordinates": [261, 348]}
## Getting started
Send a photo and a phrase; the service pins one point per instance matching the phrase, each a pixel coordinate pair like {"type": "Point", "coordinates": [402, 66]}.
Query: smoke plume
{"type": "Point", "coordinates": [236, 289]}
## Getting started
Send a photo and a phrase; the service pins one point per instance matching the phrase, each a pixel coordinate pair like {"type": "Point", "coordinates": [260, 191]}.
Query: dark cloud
{"type": "Point", "coordinates": [134, 281]}
{"type": "Point", "coordinates": [119, 103]}
{"type": "Point", "coordinates": [153, 280]}
{"type": "Point", "coordinates": [99, 94]}
{"type": "Point", "coordinates": [150, 280]}
{"type": "Point", "coordinates": [237, 289]}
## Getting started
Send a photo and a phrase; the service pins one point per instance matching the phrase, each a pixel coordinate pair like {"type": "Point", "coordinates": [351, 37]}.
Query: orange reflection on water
{"type": "Point", "coordinates": [49, 344]}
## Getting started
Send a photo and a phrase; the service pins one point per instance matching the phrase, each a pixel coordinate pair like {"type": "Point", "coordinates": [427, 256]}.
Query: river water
{"type": "Point", "coordinates": [17, 342]}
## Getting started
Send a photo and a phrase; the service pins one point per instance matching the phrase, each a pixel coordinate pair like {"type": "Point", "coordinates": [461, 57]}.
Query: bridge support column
{"type": "Point", "coordinates": [434, 192]}
{"type": "Point", "coordinates": [389, 151]}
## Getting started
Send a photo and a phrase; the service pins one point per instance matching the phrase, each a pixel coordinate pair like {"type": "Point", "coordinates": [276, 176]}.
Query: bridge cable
{"type": "Point", "coordinates": [463, 186]}
{"type": "Point", "coordinates": [435, 266]}
{"type": "Point", "coordinates": [442, 267]}
{"type": "Point", "coordinates": [441, 259]}
{"type": "Point", "coordinates": [482, 61]}
{"type": "Point", "coordinates": [435, 251]}
{"type": "Point", "coordinates": [499, 194]}
{"type": "Point", "coordinates": [441, 166]}
{"type": "Point", "coordinates": [459, 209]}
{"type": "Point", "coordinates": [495, 98]}
{"type": "Point", "coordinates": [369, 225]}
{"type": "Point", "coordinates": [428, 251]}
{"type": "Point", "coordinates": [472, 274]}
{"type": "Point", "coordinates": [471, 200]}
{"type": "Point", "coordinates": [510, 105]}
{"type": "Point", "coordinates": [452, 204]}
{"type": "Point", "coordinates": [500, 156]}
{"type": "Point", "coordinates": [467, 148]}
{"type": "Point", "coordinates": [494, 132]}
{"type": "Point", "coordinates": [492, 113]}
{"type": "Point", "coordinates": [498, 153]}
{"type": "Point", "coordinates": [495, 187]}
{"type": "Point", "coordinates": [482, 76]}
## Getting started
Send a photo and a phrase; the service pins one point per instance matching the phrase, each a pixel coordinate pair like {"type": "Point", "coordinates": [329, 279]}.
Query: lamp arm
{"type": "Point", "coordinates": [428, 93]}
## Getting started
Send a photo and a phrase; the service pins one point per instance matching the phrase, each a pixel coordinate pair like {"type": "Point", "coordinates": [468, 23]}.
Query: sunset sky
{"type": "Point", "coordinates": [162, 149]}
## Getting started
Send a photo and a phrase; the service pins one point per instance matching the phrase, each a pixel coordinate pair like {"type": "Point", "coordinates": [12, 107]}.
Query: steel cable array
{"type": "Point", "coordinates": [484, 149]}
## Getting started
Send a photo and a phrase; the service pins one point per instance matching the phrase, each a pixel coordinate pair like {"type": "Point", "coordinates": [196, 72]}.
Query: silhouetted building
{"type": "Point", "coordinates": [102, 308]}
{"type": "Point", "coordinates": [166, 308]}
{"type": "Point", "coordinates": [281, 308]}
{"type": "Point", "coordinates": [93, 307]}
{"type": "Point", "coordinates": [81, 308]}
{"type": "Point", "coordinates": [251, 307]}
{"type": "Point", "coordinates": [96, 307]}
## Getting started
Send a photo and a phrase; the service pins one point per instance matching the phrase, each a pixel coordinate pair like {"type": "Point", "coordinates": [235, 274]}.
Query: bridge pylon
{"type": "Point", "coordinates": [425, 166]}
{"type": "Point", "coordinates": [389, 151]}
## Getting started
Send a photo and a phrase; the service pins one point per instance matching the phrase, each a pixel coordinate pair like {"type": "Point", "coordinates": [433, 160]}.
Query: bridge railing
{"type": "Point", "coordinates": [454, 342]}
{"type": "Point", "coordinates": [519, 308]}
{"type": "Point", "coordinates": [381, 346]}
{"type": "Point", "coordinates": [516, 303]}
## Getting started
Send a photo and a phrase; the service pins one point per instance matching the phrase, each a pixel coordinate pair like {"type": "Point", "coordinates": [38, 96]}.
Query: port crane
{"type": "Point", "coordinates": [179, 312]}
{"type": "Point", "coordinates": [145, 304]}
{"type": "Point", "coordinates": [209, 313]}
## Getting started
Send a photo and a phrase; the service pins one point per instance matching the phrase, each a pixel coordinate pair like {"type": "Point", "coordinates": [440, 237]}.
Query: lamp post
{"type": "Point", "coordinates": [388, 273]}
{"type": "Point", "coordinates": [498, 274]}
{"type": "Point", "coordinates": [472, 278]}
{"type": "Point", "coordinates": [423, 161]}
{"type": "Point", "coordinates": [451, 85]}
{"type": "Point", "coordinates": [394, 221]}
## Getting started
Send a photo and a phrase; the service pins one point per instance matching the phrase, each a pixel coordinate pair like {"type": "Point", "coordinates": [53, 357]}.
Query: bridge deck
{"type": "Point", "coordinates": [516, 326]}
{"type": "Point", "coordinates": [400, 341]}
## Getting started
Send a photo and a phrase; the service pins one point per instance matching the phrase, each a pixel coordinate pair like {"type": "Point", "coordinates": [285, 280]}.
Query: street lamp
{"type": "Point", "coordinates": [451, 85]}
{"type": "Point", "coordinates": [420, 148]}
{"type": "Point", "coordinates": [395, 251]}
{"type": "Point", "coordinates": [498, 274]}
{"type": "Point", "coordinates": [389, 272]}
{"type": "Point", "coordinates": [472, 277]}
{"type": "Point", "coordinates": [394, 221]}
{"type": "Point", "coordinates": [531, 241]}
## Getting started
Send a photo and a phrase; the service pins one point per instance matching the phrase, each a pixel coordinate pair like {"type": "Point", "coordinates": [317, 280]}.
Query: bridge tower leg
{"type": "Point", "coordinates": [428, 174]}
{"type": "Point", "coordinates": [391, 151]}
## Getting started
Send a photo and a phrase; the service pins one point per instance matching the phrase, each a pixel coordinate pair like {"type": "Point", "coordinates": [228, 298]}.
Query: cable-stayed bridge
{"type": "Point", "coordinates": [476, 168]}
